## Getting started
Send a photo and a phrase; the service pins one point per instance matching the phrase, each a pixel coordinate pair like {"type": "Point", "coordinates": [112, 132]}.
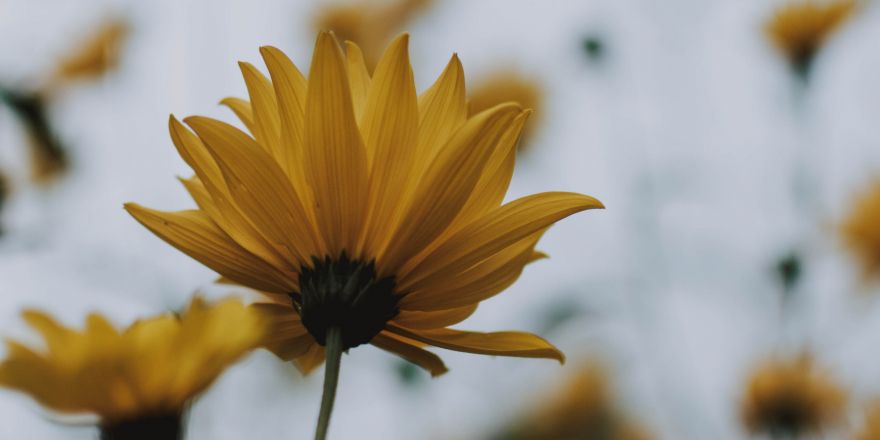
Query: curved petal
{"type": "Point", "coordinates": [259, 187]}
{"type": "Point", "coordinates": [514, 344]}
{"type": "Point", "coordinates": [194, 234]}
{"type": "Point", "coordinates": [442, 110]}
{"type": "Point", "coordinates": [336, 163]}
{"type": "Point", "coordinates": [416, 319]}
{"type": "Point", "coordinates": [267, 124]}
{"type": "Point", "coordinates": [286, 337]}
{"type": "Point", "coordinates": [447, 185]}
{"type": "Point", "coordinates": [312, 359]}
{"type": "Point", "coordinates": [242, 109]}
{"type": "Point", "coordinates": [411, 352]}
{"type": "Point", "coordinates": [390, 128]}
{"type": "Point", "coordinates": [358, 77]}
{"type": "Point", "coordinates": [498, 229]}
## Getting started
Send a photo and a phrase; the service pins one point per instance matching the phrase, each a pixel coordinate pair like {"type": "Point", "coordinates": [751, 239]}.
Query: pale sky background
{"type": "Point", "coordinates": [687, 131]}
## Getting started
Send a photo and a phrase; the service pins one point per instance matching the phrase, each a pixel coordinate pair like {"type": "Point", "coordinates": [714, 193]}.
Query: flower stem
{"type": "Point", "coordinates": [333, 351]}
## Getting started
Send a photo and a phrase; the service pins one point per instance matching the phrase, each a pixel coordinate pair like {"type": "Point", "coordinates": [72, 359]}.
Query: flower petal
{"type": "Point", "coordinates": [447, 185]}
{"type": "Point", "coordinates": [498, 229]}
{"type": "Point", "coordinates": [312, 359]}
{"type": "Point", "coordinates": [242, 109]}
{"type": "Point", "coordinates": [415, 319]}
{"type": "Point", "coordinates": [286, 337]}
{"type": "Point", "coordinates": [358, 77]}
{"type": "Point", "coordinates": [514, 344]}
{"type": "Point", "coordinates": [442, 110]}
{"type": "Point", "coordinates": [194, 234]}
{"type": "Point", "coordinates": [259, 187]}
{"type": "Point", "coordinates": [390, 128]}
{"type": "Point", "coordinates": [267, 124]}
{"type": "Point", "coordinates": [336, 163]}
{"type": "Point", "coordinates": [419, 356]}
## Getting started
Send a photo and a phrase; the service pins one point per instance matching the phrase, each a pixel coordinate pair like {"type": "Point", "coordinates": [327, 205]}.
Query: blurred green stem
{"type": "Point", "coordinates": [333, 350]}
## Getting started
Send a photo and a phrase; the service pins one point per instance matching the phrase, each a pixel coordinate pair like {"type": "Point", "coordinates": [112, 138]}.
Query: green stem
{"type": "Point", "coordinates": [333, 351]}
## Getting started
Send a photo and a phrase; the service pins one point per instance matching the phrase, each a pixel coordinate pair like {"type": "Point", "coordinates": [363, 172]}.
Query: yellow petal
{"type": "Point", "coordinates": [290, 89]}
{"type": "Point", "coordinates": [442, 110]}
{"type": "Point", "coordinates": [286, 337]}
{"type": "Point", "coordinates": [55, 334]}
{"type": "Point", "coordinates": [415, 319]}
{"type": "Point", "coordinates": [358, 77]}
{"type": "Point", "coordinates": [194, 234]}
{"type": "Point", "coordinates": [474, 284]}
{"type": "Point", "coordinates": [335, 158]}
{"type": "Point", "coordinates": [242, 110]}
{"type": "Point", "coordinates": [514, 344]}
{"type": "Point", "coordinates": [419, 356]}
{"type": "Point", "coordinates": [313, 358]}
{"type": "Point", "coordinates": [447, 185]}
{"type": "Point", "coordinates": [390, 127]}
{"type": "Point", "coordinates": [267, 125]}
{"type": "Point", "coordinates": [259, 187]}
{"type": "Point", "coordinates": [498, 229]}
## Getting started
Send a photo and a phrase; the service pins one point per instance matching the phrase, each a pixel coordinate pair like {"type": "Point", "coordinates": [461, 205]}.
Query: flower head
{"type": "Point", "coordinates": [791, 398]}
{"type": "Point", "coordinates": [355, 203]}
{"type": "Point", "coordinates": [583, 409]}
{"type": "Point", "coordinates": [860, 230]}
{"type": "Point", "coordinates": [800, 28]}
{"type": "Point", "coordinates": [508, 86]}
{"type": "Point", "coordinates": [141, 376]}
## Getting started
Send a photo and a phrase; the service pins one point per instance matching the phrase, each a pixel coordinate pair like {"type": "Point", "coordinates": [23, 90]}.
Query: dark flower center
{"type": "Point", "coordinates": [344, 293]}
{"type": "Point", "coordinates": [789, 416]}
{"type": "Point", "coordinates": [149, 427]}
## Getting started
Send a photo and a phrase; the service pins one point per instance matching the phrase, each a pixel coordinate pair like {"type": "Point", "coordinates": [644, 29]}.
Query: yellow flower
{"type": "Point", "coordinates": [96, 55]}
{"type": "Point", "coordinates": [800, 28]}
{"type": "Point", "coordinates": [860, 230]}
{"type": "Point", "coordinates": [871, 428]}
{"type": "Point", "coordinates": [137, 378]}
{"type": "Point", "coordinates": [506, 86]}
{"type": "Point", "coordinates": [358, 205]}
{"type": "Point", "coordinates": [583, 409]}
{"type": "Point", "coordinates": [791, 398]}
{"type": "Point", "coordinates": [369, 24]}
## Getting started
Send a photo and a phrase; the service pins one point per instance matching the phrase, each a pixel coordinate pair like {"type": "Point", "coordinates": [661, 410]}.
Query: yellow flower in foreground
{"type": "Point", "coordinates": [359, 206]}
{"type": "Point", "coordinates": [791, 398]}
{"type": "Point", "coordinates": [860, 230]}
{"type": "Point", "coordinates": [369, 24]}
{"type": "Point", "coordinates": [584, 408]}
{"type": "Point", "coordinates": [508, 86]}
{"type": "Point", "coordinates": [800, 28]}
{"type": "Point", "coordinates": [137, 379]}
{"type": "Point", "coordinates": [96, 55]}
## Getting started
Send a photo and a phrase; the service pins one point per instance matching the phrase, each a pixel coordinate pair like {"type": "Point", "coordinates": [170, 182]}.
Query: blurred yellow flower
{"type": "Point", "coordinates": [96, 55]}
{"type": "Point", "coordinates": [791, 397]}
{"type": "Point", "coordinates": [871, 428]}
{"type": "Point", "coordinates": [139, 378]}
{"type": "Point", "coordinates": [368, 23]}
{"type": "Point", "coordinates": [584, 408]}
{"type": "Point", "coordinates": [860, 231]}
{"type": "Point", "coordinates": [800, 28]}
{"type": "Point", "coordinates": [508, 86]}
{"type": "Point", "coordinates": [361, 207]}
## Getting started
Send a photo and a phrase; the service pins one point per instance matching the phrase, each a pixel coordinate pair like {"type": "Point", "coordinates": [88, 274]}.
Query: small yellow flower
{"type": "Point", "coordinates": [508, 86]}
{"type": "Point", "coordinates": [860, 231]}
{"type": "Point", "coordinates": [95, 56]}
{"type": "Point", "coordinates": [369, 24]}
{"type": "Point", "coordinates": [791, 398]}
{"type": "Point", "coordinates": [871, 428]}
{"type": "Point", "coordinates": [361, 206]}
{"type": "Point", "coordinates": [137, 378]}
{"type": "Point", "coordinates": [583, 409]}
{"type": "Point", "coordinates": [801, 27]}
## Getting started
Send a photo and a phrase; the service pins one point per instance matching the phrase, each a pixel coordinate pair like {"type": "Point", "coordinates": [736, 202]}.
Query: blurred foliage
{"type": "Point", "coordinates": [594, 47]}
{"type": "Point", "coordinates": [47, 154]}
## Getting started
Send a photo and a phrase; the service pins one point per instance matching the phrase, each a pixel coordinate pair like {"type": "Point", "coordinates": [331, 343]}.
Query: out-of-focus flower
{"type": "Point", "coordinates": [385, 231]}
{"type": "Point", "coordinates": [584, 408]}
{"type": "Point", "coordinates": [138, 380]}
{"type": "Point", "coordinates": [860, 231]}
{"type": "Point", "coordinates": [48, 157]}
{"type": "Point", "coordinates": [369, 24]}
{"type": "Point", "coordinates": [96, 55]}
{"type": "Point", "coordinates": [871, 428]}
{"type": "Point", "coordinates": [791, 397]}
{"type": "Point", "coordinates": [801, 27]}
{"type": "Point", "coordinates": [508, 86]}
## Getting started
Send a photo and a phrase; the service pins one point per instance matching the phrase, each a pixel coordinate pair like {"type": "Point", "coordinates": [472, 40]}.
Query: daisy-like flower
{"type": "Point", "coordinates": [787, 398]}
{"type": "Point", "coordinates": [508, 85]}
{"type": "Point", "coordinates": [364, 212]}
{"type": "Point", "coordinates": [584, 408]}
{"type": "Point", "coordinates": [860, 231]}
{"type": "Point", "coordinates": [138, 381]}
{"type": "Point", "coordinates": [800, 28]}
